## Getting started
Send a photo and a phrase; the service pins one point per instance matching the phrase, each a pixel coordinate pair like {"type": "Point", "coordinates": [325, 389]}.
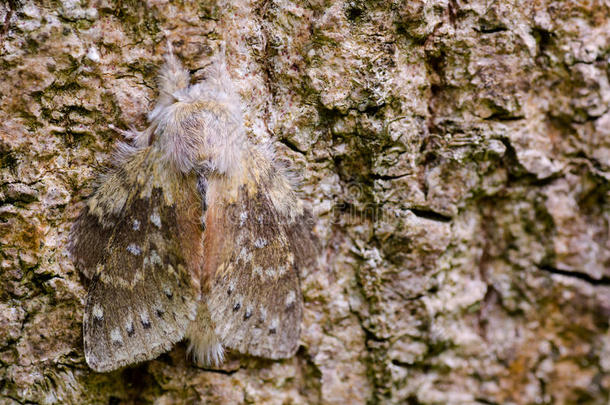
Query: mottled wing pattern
{"type": "Point", "coordinates": [254, 295]}
{"type": "Point", "coordinates": [87, 236]}
{"type": "Point", "coordinates": [142, 294]}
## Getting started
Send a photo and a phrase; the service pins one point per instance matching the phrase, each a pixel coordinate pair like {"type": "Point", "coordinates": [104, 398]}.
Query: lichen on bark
{"type": "Point", "coordinates": [456, 156]}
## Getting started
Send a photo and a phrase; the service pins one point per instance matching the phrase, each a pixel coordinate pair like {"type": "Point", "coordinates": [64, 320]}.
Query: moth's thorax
{"type": "Point", "coordinates": [194, 133]}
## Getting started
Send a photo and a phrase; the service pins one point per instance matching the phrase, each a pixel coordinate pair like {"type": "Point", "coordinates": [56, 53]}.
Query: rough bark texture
{"type": "Point", "coordinates": [456, 154]}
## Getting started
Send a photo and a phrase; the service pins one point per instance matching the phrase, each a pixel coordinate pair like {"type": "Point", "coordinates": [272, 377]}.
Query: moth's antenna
{"type": "Point", "coordinates": [216, 70]}
{"type": "Point", "coordinates": [172, 76]}
{"type": "Point", "coordinates": [168, 44]}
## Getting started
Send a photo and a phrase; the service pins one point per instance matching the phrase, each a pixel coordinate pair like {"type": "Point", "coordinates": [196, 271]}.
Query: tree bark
{"type": "Point", "coordinates": [456, 155]}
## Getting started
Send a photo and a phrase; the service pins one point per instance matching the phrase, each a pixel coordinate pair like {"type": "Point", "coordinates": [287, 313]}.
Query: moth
{"type": "Point", "coordinates": [194, 232]}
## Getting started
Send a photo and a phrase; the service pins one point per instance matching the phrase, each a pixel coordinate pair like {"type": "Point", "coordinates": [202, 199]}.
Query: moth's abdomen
{"type": "Point", "coordinates": [196, 130]}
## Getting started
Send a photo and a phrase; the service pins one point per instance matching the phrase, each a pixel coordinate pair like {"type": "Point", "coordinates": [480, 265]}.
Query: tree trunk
{"type": "Point", "coordinates": [456, 155]}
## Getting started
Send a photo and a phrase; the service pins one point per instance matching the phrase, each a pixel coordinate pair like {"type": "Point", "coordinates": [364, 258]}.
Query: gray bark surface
{"type": "Point", "coordinates": [456, 155]}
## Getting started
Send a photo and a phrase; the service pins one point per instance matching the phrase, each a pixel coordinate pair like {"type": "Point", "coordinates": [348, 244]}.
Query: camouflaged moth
{"type": "Point", "coordinates": [194, 233]}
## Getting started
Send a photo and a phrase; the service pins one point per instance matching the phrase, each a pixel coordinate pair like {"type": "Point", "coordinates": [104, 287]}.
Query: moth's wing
{"type": "Point", "coordinates": [251, 239]}
{"type": "Point", "coordinates": [255, 298]}
{"type": "Point", "coordinates": [144, 290]}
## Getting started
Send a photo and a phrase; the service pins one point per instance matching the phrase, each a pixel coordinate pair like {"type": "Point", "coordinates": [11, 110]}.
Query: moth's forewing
{"type": "Point", "coordinates": [254, 250]}
{"type": "Point", "coordinates": [144, 289]}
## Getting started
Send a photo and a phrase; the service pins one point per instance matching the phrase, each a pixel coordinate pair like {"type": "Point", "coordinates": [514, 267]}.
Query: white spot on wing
{"type": "Point", "coordinates": [242, 218]}
{"type": "Point", "coordinates": [274, 324]}
{"type": "Point", "coordinates": [115, 336]}
{"type": "Point", "coordinates": [155, 219]}
{"type": "Point", "coordinates": [260, 243]}
{"type": "Point", "coordinates": [98, 312]}
{"type": "Point", "coordinates": [129, 324]}
{"type": "Point", "coordinates": [244, 255]}
{"type": "Point", "coordinates": [144, 317]}
{"type": "Point", "coordinates": [134, 249]}
{"type": "Point", "coordinates": [258, 270]}
{"type": "Point", "coordinates": [263, 315]}
{"type": "Point", "coordinates": [152, 259]}
{"type": "Point", "coordinates": [136, 225]}
{"type": "Point", "coordinates": [248, 312]}
{"type": "Point", "coordinates": [290, 298]}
